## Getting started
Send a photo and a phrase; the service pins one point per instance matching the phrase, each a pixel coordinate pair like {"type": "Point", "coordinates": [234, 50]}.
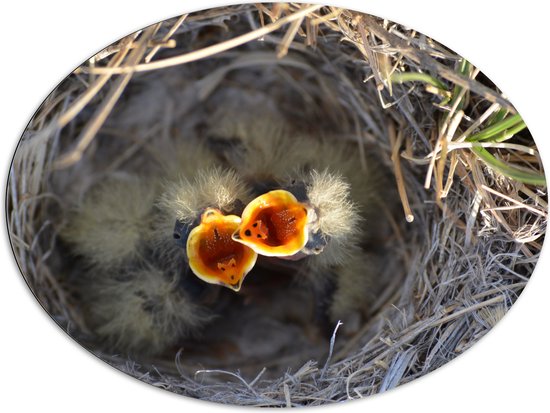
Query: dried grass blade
{"type": "Point", "coordinates": [283, 47]}
{"type": "Point", "coordinates": [451, 130]}
{"type": "Point", "coordinates": [516, 202]}
{"type": "Point", "coordinates": [166, 37]}
{"type": "Point", "coordinates": [92, 90]}
{"type": "Point", "coordinates": [430, 64]}
{"type": "Point", "coordinates": [210, 50]}
{"type": "Point", "coordinates": [103, 111]}
{"type": "Point", "coordinates": [396, 142]}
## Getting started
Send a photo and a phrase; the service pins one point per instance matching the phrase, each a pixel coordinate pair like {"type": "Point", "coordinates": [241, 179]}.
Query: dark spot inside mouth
{"type": "Point", "coordinates": [259, 236]}
{"type": "Point", "coordinates": [247, 233]}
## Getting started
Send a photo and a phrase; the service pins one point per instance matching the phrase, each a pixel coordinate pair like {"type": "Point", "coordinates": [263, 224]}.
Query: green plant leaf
{"type": "Point", "coordinates": [495, 129]}
{"type": "Point", "coordinates": [508, 170]}
{"type": "Point", "coordinates": [418, 77]}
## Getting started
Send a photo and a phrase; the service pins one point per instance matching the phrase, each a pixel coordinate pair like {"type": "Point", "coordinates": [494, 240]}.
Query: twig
{"type": "Point", "coordinates": [238, 377]}
{"type": "Point", "coordinates": [207, 51]}
{"type": "Point", "coordinates": [515, 202]}
{"type": "Point", "coordinates": [166, 37]}
{"type": "Point", "coordinates": [282, 49]}
{"type": "Point", "coordinates": [430, 64]}
{"type": "Point", "coordinates": [444, 142]}
{"type": "Point", "coordinates": [331, 349]}
{"type": "Point", "coordinates": [396, 144]}
{"type": "Point", "coordinates": [91, 91]}
{"type": "Point", "coordinates": [101, 114]}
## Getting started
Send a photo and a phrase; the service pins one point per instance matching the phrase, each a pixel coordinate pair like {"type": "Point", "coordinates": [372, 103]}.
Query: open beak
{"type": "Point", "coordinates": [213, 256]}
{"type": "Point", "coordinates": [274, 224]}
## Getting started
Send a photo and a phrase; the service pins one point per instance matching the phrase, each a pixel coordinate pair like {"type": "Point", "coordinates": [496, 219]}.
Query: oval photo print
{"type": "Point", "coordinates": [276, 204]}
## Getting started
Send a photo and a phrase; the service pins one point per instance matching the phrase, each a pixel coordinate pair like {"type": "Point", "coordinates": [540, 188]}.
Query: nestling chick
{"type": "Point", "coordinates": [142, 309]}
{"type": "Point", "coordinates": [203, 211]}
{"type": "Point", "coordinates": [112, 220]}
{"type": "Point", "coordinates": [138, 289]}
{"type": "Point", "coordinates": [115, 218]}
{"type": "Point", "coordinates": [312, 215]}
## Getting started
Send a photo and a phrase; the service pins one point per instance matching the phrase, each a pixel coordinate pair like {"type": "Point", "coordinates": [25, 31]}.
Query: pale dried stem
{"type": "Point", "coordinates": [396, 140]}
{"type": "Point", "coordinates": [166, 38]}
{"type": "Point", "coordinates": [103, 111]}
{"type": "Point", "coordinates": [207, 51]}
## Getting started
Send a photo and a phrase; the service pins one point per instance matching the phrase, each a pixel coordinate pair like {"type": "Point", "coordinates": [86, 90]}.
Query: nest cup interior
{"type": "Point", "coordinates": [433, 290]}
{"type": "Point", "coordinates": [277, 320]}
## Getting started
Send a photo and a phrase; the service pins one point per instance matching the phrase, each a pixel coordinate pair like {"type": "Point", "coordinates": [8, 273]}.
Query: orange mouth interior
{"type": "Point", "coordinates": [213, 255]}
{"type": "Point", "coordinates": [274, 224]}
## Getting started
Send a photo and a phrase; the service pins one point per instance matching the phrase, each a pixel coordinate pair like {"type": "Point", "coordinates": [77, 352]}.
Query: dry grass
{"type": "Point", "coordinates": [473, 184]}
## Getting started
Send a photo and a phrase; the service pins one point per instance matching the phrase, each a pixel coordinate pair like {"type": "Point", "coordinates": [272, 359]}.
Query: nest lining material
{"type": "Point", "coordinates": [456, 269]}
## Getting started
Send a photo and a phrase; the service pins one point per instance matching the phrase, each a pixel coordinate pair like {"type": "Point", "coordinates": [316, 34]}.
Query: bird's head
{"type": "Point", "coordinates": [276, 224]}
{"type": "Point", "coordinates": [214, 256]}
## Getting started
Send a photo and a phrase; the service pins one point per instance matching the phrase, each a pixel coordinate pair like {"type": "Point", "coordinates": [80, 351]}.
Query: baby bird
{"type": "Point", "coordinates": [140, 290]}
{"type": "Point", "coordinates": [312, 215]}
{"type": "Point", "coordinates": [140, 308]}
{"type": "Point", "coordinates": [112, 218]}
{"type": "Point", "coordinates": [108, 225]}
{"type": "Point", "coordinates": [204, 222]}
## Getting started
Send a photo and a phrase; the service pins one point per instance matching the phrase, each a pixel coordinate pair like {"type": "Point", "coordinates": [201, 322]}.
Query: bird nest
{"type": "Point", "coordinates": [465, 205]}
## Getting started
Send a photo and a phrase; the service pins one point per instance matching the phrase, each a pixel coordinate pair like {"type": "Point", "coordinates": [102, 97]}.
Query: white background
{"type": "Point", "coordinates": [41, 368]}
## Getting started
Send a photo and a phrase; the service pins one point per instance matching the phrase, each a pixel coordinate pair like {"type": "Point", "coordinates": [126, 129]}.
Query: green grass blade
{"type": "Point", "coordinates": [508, 170]}
{"type": "Point", "coordinates": [495, 129]}
{"type": "Point", "coordinates": [509, 133]}
{"type": "Point", "coordinates": [464, 69]}
{"type": "Point", "coordinates": [497, 117]}
{"type": "Point", "coordinates": [418, 77]}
